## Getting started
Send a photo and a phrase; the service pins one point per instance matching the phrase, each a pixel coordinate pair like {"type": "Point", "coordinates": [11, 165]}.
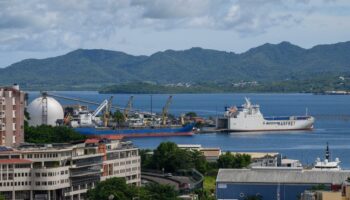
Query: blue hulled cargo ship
{"type": "Point", "coordinates": [186, 130]}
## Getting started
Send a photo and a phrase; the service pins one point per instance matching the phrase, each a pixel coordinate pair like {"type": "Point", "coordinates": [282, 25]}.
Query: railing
{"type": "Point", "coordinates": [88, 161]}
{"type": "Point", "coordinates": [83, 172]}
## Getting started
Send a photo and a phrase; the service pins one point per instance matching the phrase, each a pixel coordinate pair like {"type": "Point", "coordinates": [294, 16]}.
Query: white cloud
{"type": "Point", "coordinates": [56, 25]}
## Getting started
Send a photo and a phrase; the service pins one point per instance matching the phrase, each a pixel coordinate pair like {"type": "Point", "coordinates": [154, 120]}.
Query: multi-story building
{"type": "Point", "coordinates": [65, 171]}
{"type": "Point", "coordinates": [12, 103]}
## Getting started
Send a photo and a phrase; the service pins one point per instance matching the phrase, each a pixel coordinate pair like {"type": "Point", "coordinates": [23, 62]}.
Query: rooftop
{"type": "Point", "coordinates": [256, 155]}
{"type": "Point", "coordinates": [14, 161]}
{"type": "Point", "coordinates": [282, 175]}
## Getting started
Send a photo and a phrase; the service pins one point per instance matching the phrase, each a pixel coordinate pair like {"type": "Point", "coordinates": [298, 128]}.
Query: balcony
{"type": "Point", "coordinates": [92, 170]}
{"type": "Point", "coordinates": [2, 114]}
{"type": "Point", "coordinates": [87, 162]}
{"type": "Point", "coordinates": [2, 127]}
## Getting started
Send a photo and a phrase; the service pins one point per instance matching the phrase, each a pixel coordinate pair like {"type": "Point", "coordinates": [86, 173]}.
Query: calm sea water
{"type": "Point", "coordinates": [332, 122]}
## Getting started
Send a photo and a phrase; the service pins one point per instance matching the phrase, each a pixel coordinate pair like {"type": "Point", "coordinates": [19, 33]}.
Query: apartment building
{"type": "Point", "coordinates": [65, 171]}
{"type": "Point", "coordinates": [12, 103]}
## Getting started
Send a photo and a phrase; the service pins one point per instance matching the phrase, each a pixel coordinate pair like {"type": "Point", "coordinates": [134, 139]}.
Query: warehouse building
{"type": "Point", "coordinates": [273, 183]}
{"type": "Point", "coordinates": [65, 171]}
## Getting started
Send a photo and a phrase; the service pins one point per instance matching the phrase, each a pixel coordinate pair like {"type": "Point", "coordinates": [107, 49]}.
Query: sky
{"type": "Point", "coordinates": [42, 28]}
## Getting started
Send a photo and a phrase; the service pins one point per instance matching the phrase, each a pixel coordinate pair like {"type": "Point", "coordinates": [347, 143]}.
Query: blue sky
{"type": "Point", "coordinates": [41, 28]}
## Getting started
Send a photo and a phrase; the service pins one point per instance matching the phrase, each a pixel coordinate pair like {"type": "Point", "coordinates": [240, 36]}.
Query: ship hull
{"type": "Point", "coordinates": [250, 125]}
{"type": "Point", "coordinates": [142, 132]}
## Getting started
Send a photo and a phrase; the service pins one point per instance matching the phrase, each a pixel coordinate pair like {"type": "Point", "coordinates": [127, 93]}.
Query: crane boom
{"type": "Point", "coordinates": [165, 110]}
{"type": "Point", "coordinates": [107, 112]}
{"type": "Point", "coordinates": [87, 102]}
{"type": "Point", "coordinates": [100, 108]}
{"type": "Point", "coordinates": [128, 107]}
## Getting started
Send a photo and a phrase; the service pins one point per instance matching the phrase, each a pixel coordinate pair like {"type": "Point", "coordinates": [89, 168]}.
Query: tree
{"type": "Point", "coordinates": [229, 160]}
{"type": "Point", "coordinates": [113, 186]}
{"type": "Point", "coordinates": [191, 114]}
{"type": "Point", "coordinates": [164, 156]}
{"type": "Point", "coordinates": [121, 191]}
{"type": "Point", "coordinates": [118, 117]}
{"type": "Point", "coordinates": [319, 187]}
{"type": "Point", "coordinates": [199, 161]}
{"type": "Point", "coordinates": [170, 157]}
{"type": "Point", "coordinates": [49, 134]}
{"type": "Point", "coordinates": [146, 158]}
{"type": "Point", "coordinates": [156, 191]}
{"type": "Point", "coordinates": [205, 195]}
{"type": "Point", "coordinates": [2, 197]}
{"type": "Point", "coordinates": [225, 160]}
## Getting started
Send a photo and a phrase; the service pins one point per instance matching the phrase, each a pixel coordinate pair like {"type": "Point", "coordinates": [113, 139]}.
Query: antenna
{"type": "Point", "coordinates": [327, 154]}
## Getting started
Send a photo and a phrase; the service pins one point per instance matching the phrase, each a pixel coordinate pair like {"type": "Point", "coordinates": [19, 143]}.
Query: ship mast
{"type": "Point", "coordinates": [327, 154]}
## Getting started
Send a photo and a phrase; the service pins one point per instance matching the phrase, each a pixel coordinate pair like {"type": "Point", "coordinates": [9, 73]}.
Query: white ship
{"type": "Point", "coordinates": [327, 164]}
{"type": "Point", "coordinates": [249, 118]}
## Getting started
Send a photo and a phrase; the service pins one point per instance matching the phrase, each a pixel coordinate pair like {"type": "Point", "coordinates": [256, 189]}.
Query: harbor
{"type": "Point", "coordinates": [331, 123]}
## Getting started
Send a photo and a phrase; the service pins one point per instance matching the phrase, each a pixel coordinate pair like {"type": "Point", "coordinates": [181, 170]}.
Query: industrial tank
{"type": "Point", "coordinates": [44, 110]}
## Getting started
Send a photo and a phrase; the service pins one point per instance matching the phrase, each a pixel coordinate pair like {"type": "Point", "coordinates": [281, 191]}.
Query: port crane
{"type": "Point", "coordinates": [107, 112]}
{"type": "Point", "coordinates": [165, 110]}
{"type": "Point", "coordinates": [128, 107]}
{"type": "Point", "coordinates": [89, 102]}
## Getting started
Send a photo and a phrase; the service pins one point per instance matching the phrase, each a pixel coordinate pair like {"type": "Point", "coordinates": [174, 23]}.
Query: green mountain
{"type": "Point", "coordinates": [92, 69]}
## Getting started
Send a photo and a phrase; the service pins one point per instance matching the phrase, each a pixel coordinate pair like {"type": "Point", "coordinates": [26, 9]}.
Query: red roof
{"type": "Point", "coordinates": [96, 139]}
{"type": "Point", "coordinates": [14, 161]}
{"type": "Point", "coordinates": [92, 141]}
{"type": "Point", "coordinates": [114, 137]}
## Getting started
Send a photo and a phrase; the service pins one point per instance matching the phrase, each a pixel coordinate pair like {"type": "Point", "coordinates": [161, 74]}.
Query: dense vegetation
{"type": "Point", "coordinates": [229, 160]}
{"type": "Point", "coordinates": [170, 158]}
{"type": "Point", "coordinates": [93, 69]}
{"type": "Point", "coordinates": [320, 83]}
{"type": "Point", "coordinates": [117, 189]}
{"type": "Point", "coordinates": [148, 88]}
{"type": "Point", "coordinates": [49, 134]}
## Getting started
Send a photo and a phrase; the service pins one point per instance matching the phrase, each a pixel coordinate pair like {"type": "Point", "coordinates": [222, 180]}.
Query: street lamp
{"type": "Point", "coordinates": [111, 197]}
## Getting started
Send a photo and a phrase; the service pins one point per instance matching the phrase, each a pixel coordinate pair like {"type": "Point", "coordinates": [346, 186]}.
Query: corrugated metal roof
{"type": "Point", "coordinates": [282, 175]}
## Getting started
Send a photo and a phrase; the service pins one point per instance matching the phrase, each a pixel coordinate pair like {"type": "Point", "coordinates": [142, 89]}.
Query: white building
{"type": "Point", "coordinates": [65, 171]}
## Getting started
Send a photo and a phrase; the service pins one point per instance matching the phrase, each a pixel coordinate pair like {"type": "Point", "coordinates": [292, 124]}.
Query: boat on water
{"type": "Point", "coordinates": [249, 118]}
{"type": "Point", "coordinates": [327, 164]}
{"type": "Point", "coordinates": [186, 130]}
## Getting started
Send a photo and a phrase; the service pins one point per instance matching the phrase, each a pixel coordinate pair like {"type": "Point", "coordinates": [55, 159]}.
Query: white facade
{"type": "Point", "coordinates": [65, 171]}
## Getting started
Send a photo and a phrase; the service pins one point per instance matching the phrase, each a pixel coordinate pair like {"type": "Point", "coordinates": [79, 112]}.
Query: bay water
{"type": "Point", "coordinates": [332, 124]}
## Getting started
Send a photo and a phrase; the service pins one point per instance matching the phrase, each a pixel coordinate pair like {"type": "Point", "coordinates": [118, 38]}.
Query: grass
{"type": "Point", "coordinates": [209, 183]}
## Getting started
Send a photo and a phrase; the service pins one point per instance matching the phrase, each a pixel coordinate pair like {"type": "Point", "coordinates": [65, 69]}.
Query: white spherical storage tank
{"type": "Point", "coordinates": [40, 115]}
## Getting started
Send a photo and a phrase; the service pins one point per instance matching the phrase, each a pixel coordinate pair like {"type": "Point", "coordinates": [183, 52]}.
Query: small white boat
{"type": "Point", "coordinates": [327, 164]}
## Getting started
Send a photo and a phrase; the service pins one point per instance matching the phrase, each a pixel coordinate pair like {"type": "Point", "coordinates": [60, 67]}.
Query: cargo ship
{"type": "Point", "coordinates": [249, 118]}
{"type": "Point", "coordinates": [186, 130]}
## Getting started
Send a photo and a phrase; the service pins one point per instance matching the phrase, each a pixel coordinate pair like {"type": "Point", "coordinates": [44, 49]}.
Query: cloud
{"type": "Point", "coordinates": [40, 25]}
